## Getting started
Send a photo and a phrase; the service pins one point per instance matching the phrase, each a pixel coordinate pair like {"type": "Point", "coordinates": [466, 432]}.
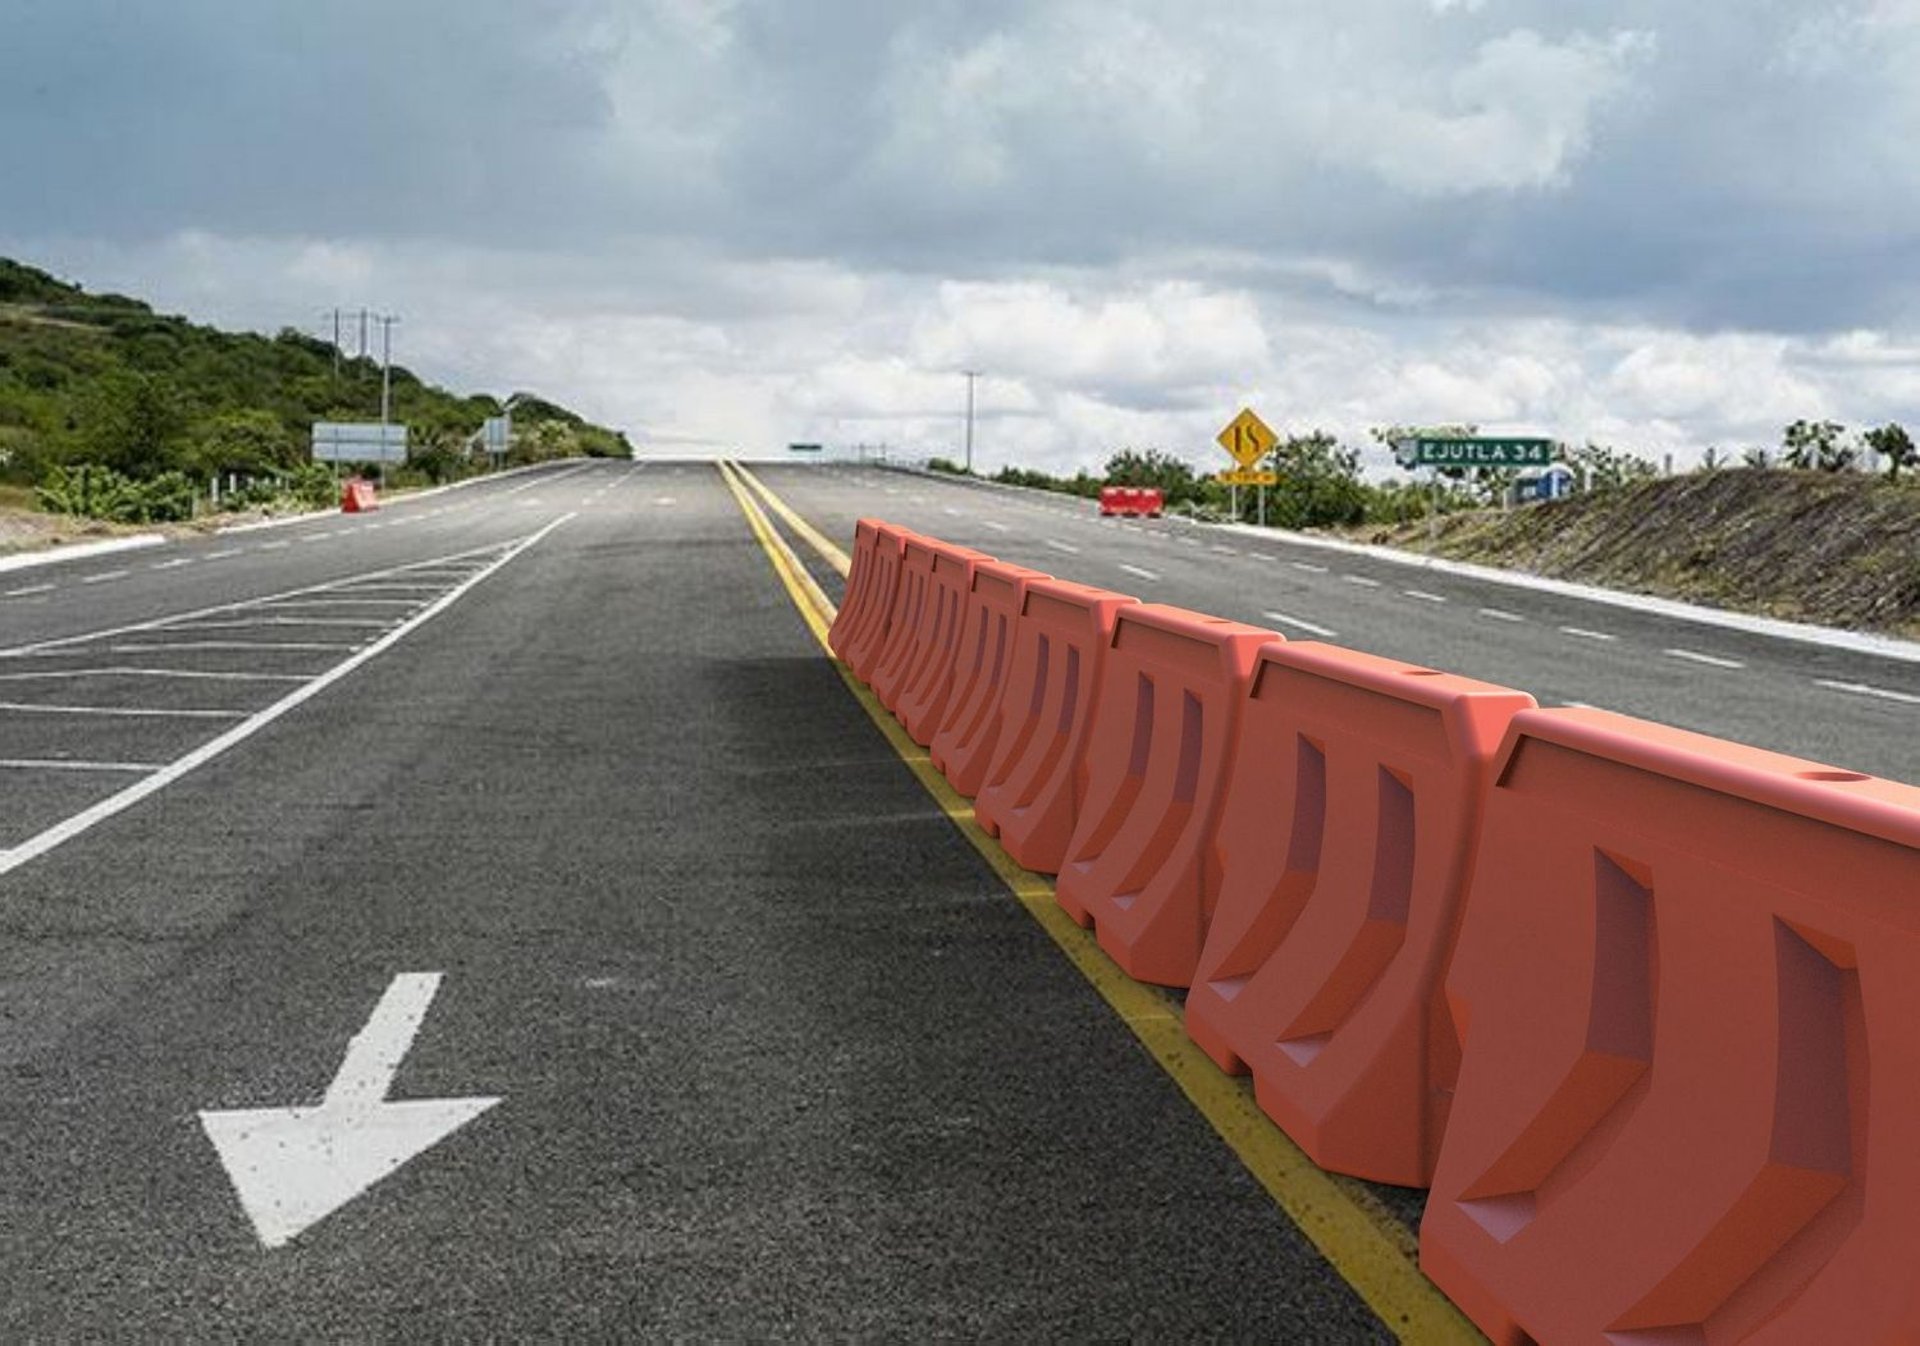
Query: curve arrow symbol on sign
{"type": "Point", "coordinates": [293, 1167]}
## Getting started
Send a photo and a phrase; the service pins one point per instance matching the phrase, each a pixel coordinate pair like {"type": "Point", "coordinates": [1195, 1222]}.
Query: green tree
{"type": "Point", "coordinates": [1811, 445]}
{"type": "Point", "coordinates": [131, 423]}
{"type": "Point", "coordinates": [253, 440]}
{"type": "Point", "coordinates": [1152, 467]}
{"type": "Point", "coordinates": [1893, 443]}
{"type": "Point", "coordinates": [1319, 486]}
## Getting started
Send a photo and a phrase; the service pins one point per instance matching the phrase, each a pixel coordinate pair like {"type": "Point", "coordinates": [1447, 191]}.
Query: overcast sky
{"type": "Point", "coordinates": [736, 223]}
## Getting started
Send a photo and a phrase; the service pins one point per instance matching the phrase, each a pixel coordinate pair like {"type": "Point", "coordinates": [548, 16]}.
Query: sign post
{"type": "Point", "coordinates": [1248, 439]}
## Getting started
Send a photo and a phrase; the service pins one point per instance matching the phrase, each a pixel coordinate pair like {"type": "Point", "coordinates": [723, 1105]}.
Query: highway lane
{"type": "Point", "coordinates": [602, 838]}
{"type": "Point", "coordinates": [1851, 710]}
{"type": "Point", "coordinates": [65, 597]}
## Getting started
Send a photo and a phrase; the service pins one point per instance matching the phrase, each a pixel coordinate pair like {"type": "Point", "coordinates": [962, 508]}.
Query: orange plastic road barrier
{"type": "Point", "coordinates": [1037, 777]}
{"type": "Point", "coordinates": [1158, 757]}
{"type": "Point", "coordinates": [963, 746]}
{"type": "Point", "coordinates": [1688, 983]}
{"type": "Point", "coordinates": [925, 691]}
{"type": "Point", "coordinates": [880, 608]}
{"type": "Point", "coordinates": [862, 578]}
{"type": "Point", "coordinates": [357, 496]}
{"type": "Point", "coordinates": [1345, 844]}
{"type": "Point", "coordinates": [906, 622]}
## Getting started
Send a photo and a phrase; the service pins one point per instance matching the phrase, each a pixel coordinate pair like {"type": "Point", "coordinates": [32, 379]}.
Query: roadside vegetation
{"type": "Point", "coordinates": [110, 411]}
{"type": "Point", "coordinates": [1824, 527]}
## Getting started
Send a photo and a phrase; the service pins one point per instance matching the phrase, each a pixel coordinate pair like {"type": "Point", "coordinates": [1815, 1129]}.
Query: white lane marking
{"type": "Point", "coordinates": [129, 671]}
{"type": "Point", "coordinates": [173, 564]}
{"type": "Point", "coordinates": [1311, 628]}
{"type": "Point", "coordinates": [65, 764]}
{"type": "Point", "coordinates": [1424, 596]}
{"type": "Point", "coordinates": [292, 1167]}
{"type": "Point", "coordinates": [1364, 581]}
{"type": "Point", "coordinates": [1710, 660]}
{"type": "Point", "coordinates": [1501, 615]}
{"type": "Point", "coordinates": [1864, 689]}
{"type": "Point", "coordinates": [62, 832]}
{"type": "Point", "coordinates": [1309, 567]}
{"type": "Point", "coordinates": [28, 591]}
{"type": "Point", "coordinates": [274, 621]}
{"type": "Point", "coordinates": [277, 645]}
{"type": "Point", "coordinates": [1068, 548]}
{"type": "Point", "coordinates": [950, 510]}
{"type": "Point", "coordinates": [1263, 556]}
{"type": "Point", "coordinates": [104, 577]}
{"type": "Point", "coordinates": [274, 546]}
{"type": "Point", "coordinates": [222, 555]}
{"type": "Point", "coordinates": [121, 712]}
{"type": "Point", "coordinates": [997, 526]}
{"type": "Point", "coordinates": [1224, 551]}
{"type": "Point", "coordinates": [1141, 571]}
{"type": "Point", "coordinates": [281, 605]}
{"type": "Point", "coordinates": [176, 621]}
{"type": "Point", "coordinates": [1582, 633]}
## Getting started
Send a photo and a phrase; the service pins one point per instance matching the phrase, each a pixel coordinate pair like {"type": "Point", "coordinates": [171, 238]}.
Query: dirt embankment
{"type": "Point", "coordinates": [1836, 549]}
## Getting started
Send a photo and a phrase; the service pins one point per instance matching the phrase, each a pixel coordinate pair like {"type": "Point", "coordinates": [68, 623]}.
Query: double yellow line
{"type": "Point", "coordinates": [1369, 1247]}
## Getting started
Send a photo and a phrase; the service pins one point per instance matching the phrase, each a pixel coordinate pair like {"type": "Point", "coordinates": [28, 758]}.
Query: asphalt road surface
{"type": "Point", "coordinates": [1850, 710]}
{"type": "Point", "coordinates": [520, 841]}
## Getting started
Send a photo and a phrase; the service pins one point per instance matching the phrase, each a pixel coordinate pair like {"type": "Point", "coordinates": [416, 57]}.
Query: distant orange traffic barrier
{"type": "Point", "coordinates": [1037, 776]}
{"type": "Point", "coordinates": [922, 698]}
{"type": "Point", "coordinates": [874, 598]}
{"type": "Point", "coordinates": [357, 496]}
{"type": "Point", "coordinates": [1344, 845]}
{"type": "Point", "coordinates": [1145, 502]}
{"type": "Point", "coordinates": [1688, 1109]}
{"type": "Point", "coordinates": [963, 746]}
{"type": "Point", "coordinates": [1158, 755]}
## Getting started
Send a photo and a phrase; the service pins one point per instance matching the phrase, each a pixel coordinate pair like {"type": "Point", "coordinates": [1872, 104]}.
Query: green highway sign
{"type": "Point", "coordinates": [1474, 452]}
{"type": "Point", "coordinates": [803, 448]}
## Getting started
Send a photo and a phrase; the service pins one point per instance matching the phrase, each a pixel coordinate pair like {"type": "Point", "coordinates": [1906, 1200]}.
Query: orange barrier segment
{"type": "Point", "coordinates": [859, 597]}
{"type": "Point", "coordinates": [1037, 777]}
{"type": "Point", "coordinates": [928, 684]}
{"type": "Point", "coordinates": [1158, 754]}
{"type": "Point", "coordinates": [904, 619]}
{"type": "Point", "coordinates": [1344, 844]}
{"type": "Point", "coordinates": [1688, 987]}
{"type": "Point", "coordinates": [873, 624]}
{"type": "Point", "coordinates": [357, 496]}
{"type": "Point", "coordinates": [963, 746]}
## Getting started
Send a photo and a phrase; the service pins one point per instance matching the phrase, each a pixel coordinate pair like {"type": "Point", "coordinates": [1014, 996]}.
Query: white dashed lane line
{"type": "Point", "coordinates": [65, 764]}
{"type": "Point", "coordinates": [221, 555]}
{"type": "Point", "coordinates": [1140, 571]}
{"type": "Point", "coordinates": [1582, 633]}
{"type": "Point", "coordinates": [104, 577]}
{"type": "Point", "coordinates": [174, 564]}
{"type": "Point", "coordinates": [1501, 615]}
{"type": "Point", "coordinates": [29, 591]}
{"type": "Point", "coordinates": [1068, 548]}
{"type": "Point", "coordinates": [1300, 624]}
{"type": "Point", "coordinates": [1424, 596]}
{"type": "Point", "coordinates": [1308, 567]}
{"type": "Point", "coordinates": [1864, 689]}
{"type": "Point", "coordinates": [1710, 660]}
{"type": "Point", "coordinates": [998, 527]}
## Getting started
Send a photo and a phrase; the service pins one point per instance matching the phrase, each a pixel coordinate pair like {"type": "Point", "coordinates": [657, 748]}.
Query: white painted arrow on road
{"type": "Point", "coordinates": [293, 1167]}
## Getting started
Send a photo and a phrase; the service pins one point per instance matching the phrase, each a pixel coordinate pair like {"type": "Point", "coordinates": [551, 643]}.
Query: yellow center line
{"type": "Point", "coordinates": [1371, 1250]}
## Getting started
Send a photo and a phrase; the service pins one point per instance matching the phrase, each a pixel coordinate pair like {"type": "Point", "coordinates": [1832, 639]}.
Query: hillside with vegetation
{"type": "Point", "coordinates": [111, 410]}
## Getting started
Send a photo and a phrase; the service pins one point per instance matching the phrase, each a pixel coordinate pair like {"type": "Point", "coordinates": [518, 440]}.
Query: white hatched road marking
{"type": "Point", "coordinates": [68, 764]}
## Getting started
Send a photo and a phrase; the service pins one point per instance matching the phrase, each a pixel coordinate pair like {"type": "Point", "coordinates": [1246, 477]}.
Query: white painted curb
{"type": "Point", "coordinates": [78, 551]}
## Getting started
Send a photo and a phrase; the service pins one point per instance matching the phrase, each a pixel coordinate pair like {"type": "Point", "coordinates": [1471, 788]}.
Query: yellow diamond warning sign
{"type": "Point", "coordinates": [1247, 438]}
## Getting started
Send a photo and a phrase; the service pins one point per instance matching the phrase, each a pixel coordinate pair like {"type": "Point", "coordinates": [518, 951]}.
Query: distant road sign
{"type": "Point", "coordinates": [359, 442]}
{"type": "Point", "coordinates": [495, 434]}
{"type": "Point", "coordinates": [803, 448]}
{"type": "Point", "coordinates": [1474, 452]}
{"type": "Point", "coordinates": [1247, 438]}
{"type": "Point", "coordinates": [1247, 476]}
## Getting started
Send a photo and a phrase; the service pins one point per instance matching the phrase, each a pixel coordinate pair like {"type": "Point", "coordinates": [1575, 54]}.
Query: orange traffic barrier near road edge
{"type": "Point", "coordinates": [910, 601]}
{"type": "Point", "coordinates": [880, 611]}
{"type": "Point", "coordinates": [1037, 776]}
{"type": "Point", "coordinates": [1688, 987]}
{"type": "Point", "coordinates": [861, 579]}
{"type": "Point", "coordinates": [357, 496]}
{"type": "Point", "coordinates": [928, 684]}
{"type": "Point", "coordinates": [1345, 843]}
{"type": "Point", "coordinates": [963, 745]}
{"type": "Point", "coordinates": [1158, 756]}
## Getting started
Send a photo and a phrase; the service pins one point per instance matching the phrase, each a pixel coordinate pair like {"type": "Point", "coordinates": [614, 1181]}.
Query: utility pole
{"type": "Point", "coordinates": [363, 334]}
{"type": "Point", "coordinates": [386, 321]}
{"type": "Point", "coordinates": [336, 344]}
{"type": "Point", "coordinates": [972, 376]}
